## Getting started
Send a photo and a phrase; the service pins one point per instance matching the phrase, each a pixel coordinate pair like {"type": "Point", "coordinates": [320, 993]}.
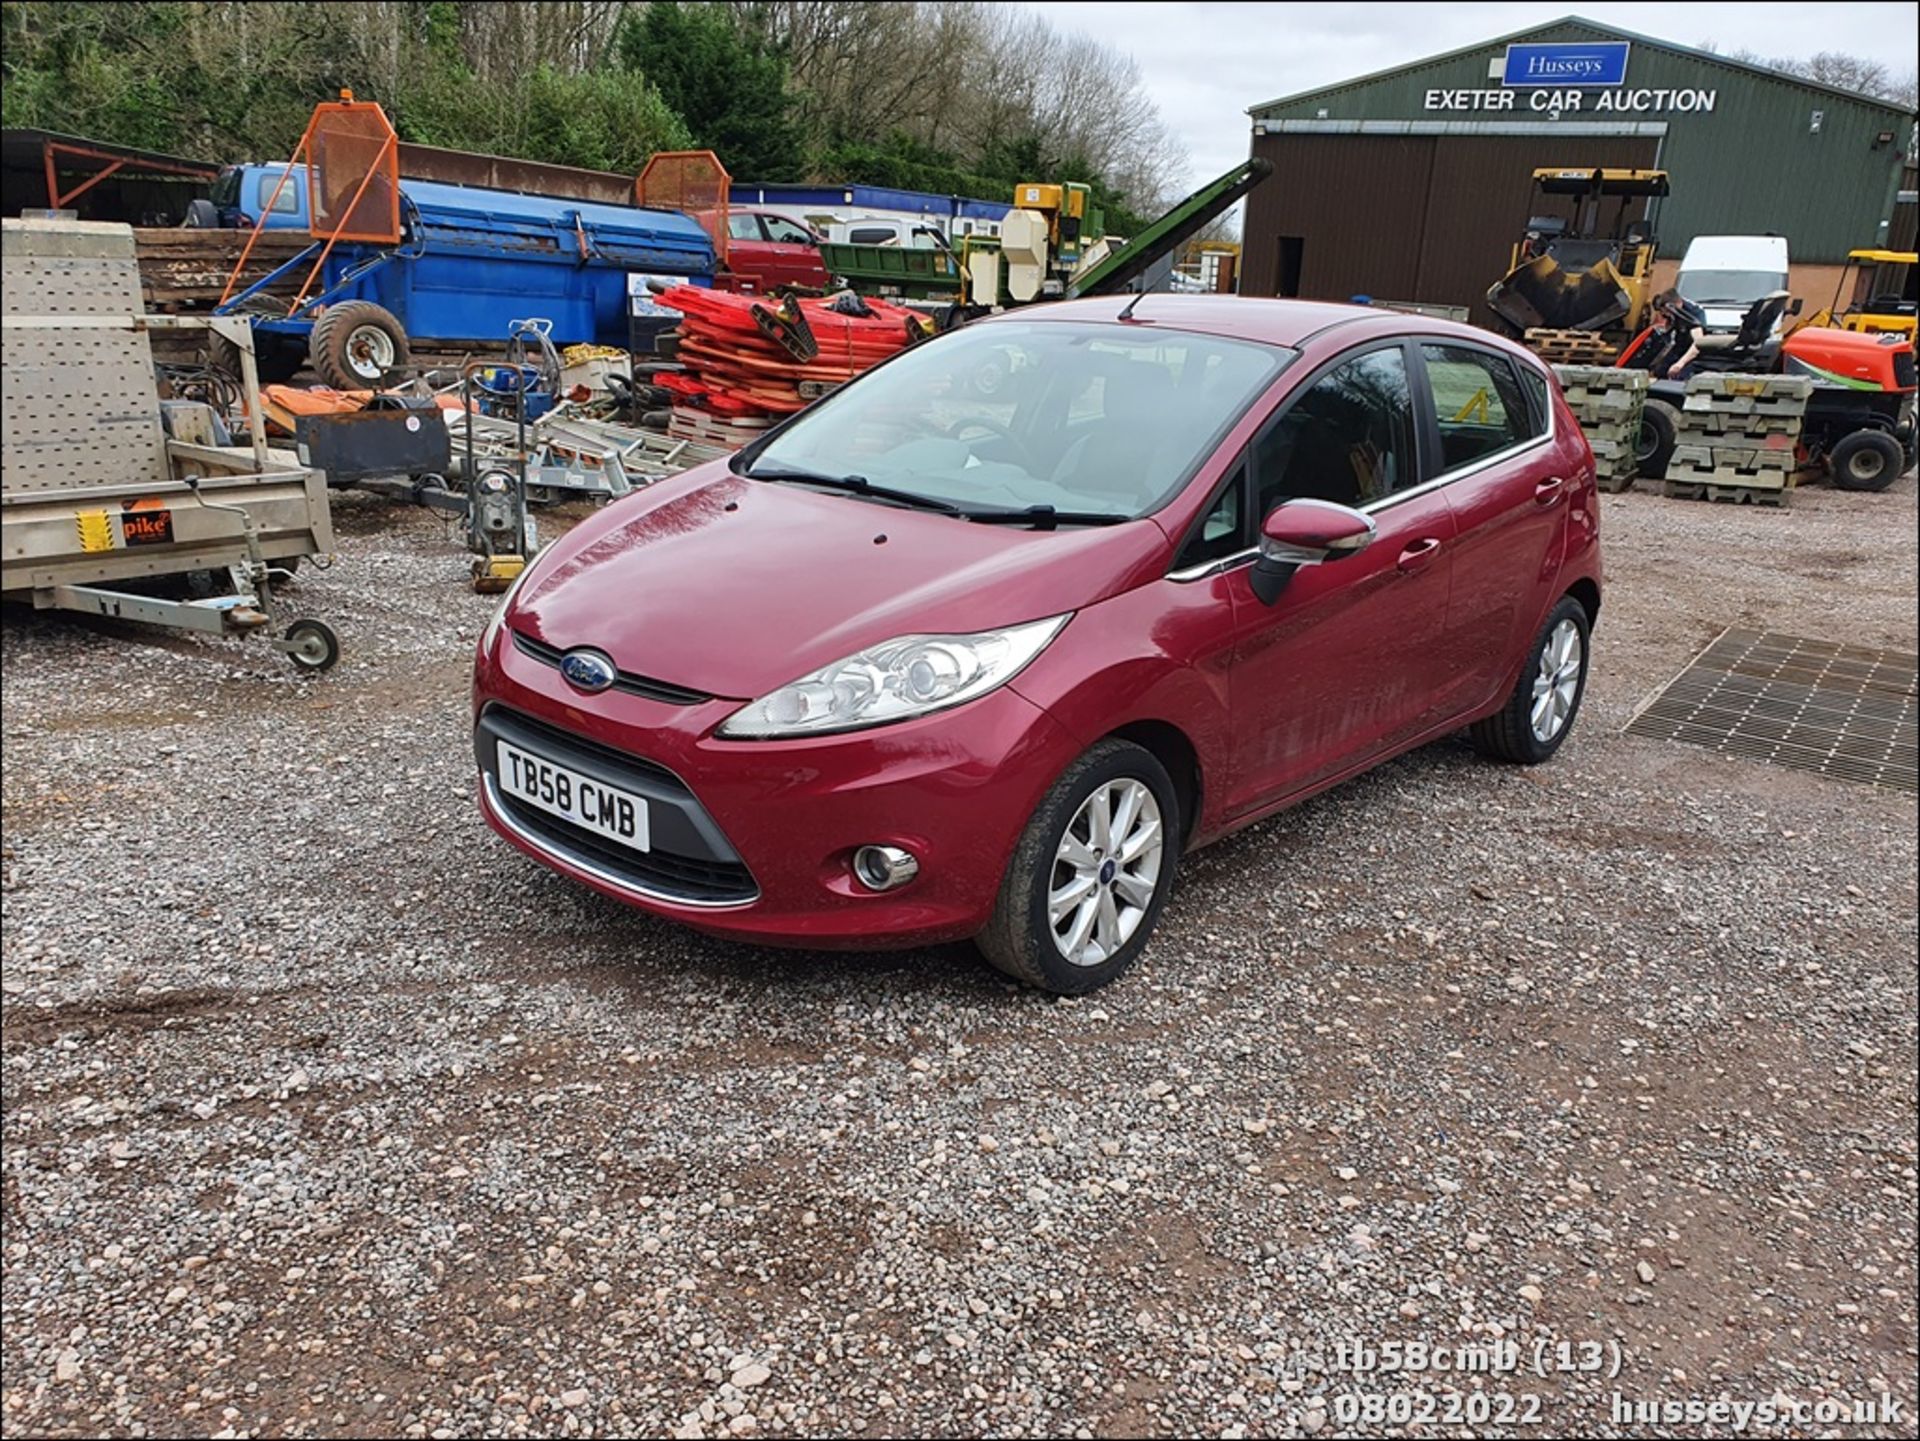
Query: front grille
{"type": "Point", "coordinates": [675, 877]}
{"type": "Point", "coordinates": [691, 862]}
{"type": "Point", "coordinates": [625, 680]}
{"type": "Point", "coordinates": [1903, 369]}
{"type": "Point", "coordinates": [559, 742]}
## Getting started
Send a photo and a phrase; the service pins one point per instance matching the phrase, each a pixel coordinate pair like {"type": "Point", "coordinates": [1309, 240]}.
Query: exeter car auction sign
{"type": "Point", "coordinates": [1558, 77]}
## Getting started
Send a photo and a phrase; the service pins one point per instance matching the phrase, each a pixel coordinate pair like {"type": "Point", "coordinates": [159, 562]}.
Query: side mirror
{"type": "Point", "coordinates": [1795, 306]}
{"type": "Point", "coordinates": [1306, 532]}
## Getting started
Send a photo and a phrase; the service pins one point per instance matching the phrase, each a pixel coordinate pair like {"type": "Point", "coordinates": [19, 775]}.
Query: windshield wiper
{"type": "Point", "coordinates": [1041, 517]}
{"type": "Point", "coordinates": [856, 484]}
{"type": "Point", "coordinates": [1045, 517]}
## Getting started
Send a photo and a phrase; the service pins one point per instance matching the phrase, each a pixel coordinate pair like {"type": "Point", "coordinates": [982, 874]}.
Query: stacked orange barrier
{"type": "Point", "coordinates": [742, 354]}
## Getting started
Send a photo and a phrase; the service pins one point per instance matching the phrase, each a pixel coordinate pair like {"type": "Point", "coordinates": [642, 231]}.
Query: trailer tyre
{"type": "Point", "coordinates": [1659, 433]}
{"type": "Point", "coordinates": [1867, 460]}
{"type": "Point", "coordinates": [357, 345]}
{"type": "Point", "coordinates": [315, 646]}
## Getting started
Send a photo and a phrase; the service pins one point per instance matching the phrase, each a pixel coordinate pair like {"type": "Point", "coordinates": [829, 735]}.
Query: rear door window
{"type": "Point", "coordinates": [1538, 394]}
{"type": "Point", "coordinates": [785, 232]}
{"type": "Point", "coordinates": [1478, 402]}
{"type": "Point", "coordinates": [743, 227]}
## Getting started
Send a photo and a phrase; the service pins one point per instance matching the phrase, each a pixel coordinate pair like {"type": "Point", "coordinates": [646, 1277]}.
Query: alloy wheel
{"type": "Point", "coordinates": [1105, 871]}
{"type": "Point", "coordinates": [1556, 685]}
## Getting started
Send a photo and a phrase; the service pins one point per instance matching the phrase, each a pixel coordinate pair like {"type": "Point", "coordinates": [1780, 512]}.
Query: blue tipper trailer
{"type": "Point", "coordinates": [469, 263]}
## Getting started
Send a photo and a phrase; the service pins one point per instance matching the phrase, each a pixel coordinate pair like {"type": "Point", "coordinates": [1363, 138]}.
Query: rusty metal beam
{"type": "Point", "coordinates": [110, 164]}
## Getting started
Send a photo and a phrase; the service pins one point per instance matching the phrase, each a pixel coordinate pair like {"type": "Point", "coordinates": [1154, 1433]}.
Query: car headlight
{"type": "Point", "coordinates": [912, 675]}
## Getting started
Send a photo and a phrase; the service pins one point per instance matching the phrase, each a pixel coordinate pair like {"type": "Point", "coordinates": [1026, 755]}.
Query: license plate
{"type": "Point", "coordinates": [562, 791]}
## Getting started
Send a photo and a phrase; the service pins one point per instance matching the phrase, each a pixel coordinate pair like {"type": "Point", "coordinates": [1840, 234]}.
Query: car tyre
{"type": "Point", "coordinates": [1023, 937]}
{"type": "Point", "coordinates": [1659, 433]}
{"type": "Point", "coordinates": [1536, 718]}
{"type": "Point", "coordinates": [1867, 460]}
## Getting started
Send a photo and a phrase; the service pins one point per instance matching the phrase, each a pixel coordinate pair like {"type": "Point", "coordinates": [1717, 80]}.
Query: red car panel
{"type": "Point", "coordinates": [759, 262]}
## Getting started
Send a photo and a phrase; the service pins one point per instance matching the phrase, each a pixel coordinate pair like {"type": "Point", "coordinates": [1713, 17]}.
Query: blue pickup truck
{"type": "Point", "coordinates": [470, 262]}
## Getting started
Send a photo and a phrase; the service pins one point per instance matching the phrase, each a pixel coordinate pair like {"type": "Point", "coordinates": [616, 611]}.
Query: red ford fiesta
{"type": "Point", "coordinates": [983, 642]}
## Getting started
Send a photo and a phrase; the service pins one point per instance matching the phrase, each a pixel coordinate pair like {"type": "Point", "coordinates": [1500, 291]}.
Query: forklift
{"type": "Point", "coordinates": [1589, 269]}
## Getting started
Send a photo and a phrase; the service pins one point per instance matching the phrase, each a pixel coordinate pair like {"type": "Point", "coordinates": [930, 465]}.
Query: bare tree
{"type": "Point", "coordinates": [1863, 76]}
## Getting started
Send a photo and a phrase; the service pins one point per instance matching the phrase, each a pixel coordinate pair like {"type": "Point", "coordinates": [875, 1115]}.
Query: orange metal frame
{"type": "Point", "coordinates": [389, 149]}
{"type": "Point", "coordinates": [115, 163]}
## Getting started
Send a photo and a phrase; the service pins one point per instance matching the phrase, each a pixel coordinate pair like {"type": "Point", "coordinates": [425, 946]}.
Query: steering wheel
{"type": "Point", "coordinates": [994, 428]}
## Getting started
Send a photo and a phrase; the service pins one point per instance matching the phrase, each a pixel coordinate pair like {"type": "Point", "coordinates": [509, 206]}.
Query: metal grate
{"type": "Point", "coordinates": [1842, 710]}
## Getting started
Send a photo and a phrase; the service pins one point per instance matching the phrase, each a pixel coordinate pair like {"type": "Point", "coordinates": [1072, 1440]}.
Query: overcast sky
{"type": "Point", "coordinates": [1205, 64]}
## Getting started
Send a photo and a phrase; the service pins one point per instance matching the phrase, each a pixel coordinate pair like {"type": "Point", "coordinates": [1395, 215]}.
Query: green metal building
{"type": "Point", "coordinates": [1412, 184]}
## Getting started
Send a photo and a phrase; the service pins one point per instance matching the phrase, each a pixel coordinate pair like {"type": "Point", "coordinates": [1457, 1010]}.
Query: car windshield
{"type": "Point", "coordinates": [1729, 287]}
{"type": "Point", "coordinates": [1097, 419]}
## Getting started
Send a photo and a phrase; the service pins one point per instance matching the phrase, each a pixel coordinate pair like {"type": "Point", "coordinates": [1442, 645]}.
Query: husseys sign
{"type": "Point", "coordinates": [1562, 79]}
{"type": "Point", "coordinates": [1604, 64]}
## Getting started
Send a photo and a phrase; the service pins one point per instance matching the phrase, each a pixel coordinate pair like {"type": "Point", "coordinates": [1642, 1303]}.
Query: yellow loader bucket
{"type": "Point", "coordinates": [1543, 295]}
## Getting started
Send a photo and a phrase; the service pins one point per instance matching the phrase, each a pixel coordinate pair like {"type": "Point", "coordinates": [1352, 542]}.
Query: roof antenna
{"type": "Point", "coordinates": [1127, 312]}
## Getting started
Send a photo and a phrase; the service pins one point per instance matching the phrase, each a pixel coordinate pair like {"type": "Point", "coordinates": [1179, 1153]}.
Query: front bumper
{"type": "Point", "coordinates": [755, 839]}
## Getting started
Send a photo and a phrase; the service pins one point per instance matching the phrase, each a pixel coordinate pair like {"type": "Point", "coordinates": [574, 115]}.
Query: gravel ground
{"type": "Point", "coordinates": [327, 1113]}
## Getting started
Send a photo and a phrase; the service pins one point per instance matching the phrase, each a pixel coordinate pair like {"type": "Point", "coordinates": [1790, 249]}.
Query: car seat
{"type": "Point", "coordinates": [1119, 456]}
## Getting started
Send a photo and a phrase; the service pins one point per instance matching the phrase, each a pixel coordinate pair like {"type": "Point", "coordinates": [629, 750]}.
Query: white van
{"type": "Point", "coordinates": [884, 230]}
{"type": "Point", "coordinates": [1725, 274]}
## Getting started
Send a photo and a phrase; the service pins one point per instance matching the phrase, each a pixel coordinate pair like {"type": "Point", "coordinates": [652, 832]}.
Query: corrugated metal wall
{"type": "Point", "coordinates": [1755, 164]}
{"type": "Point", "coordinates": [1415, 217]}
{"type": "Point", "coordinates": [1352, 200]}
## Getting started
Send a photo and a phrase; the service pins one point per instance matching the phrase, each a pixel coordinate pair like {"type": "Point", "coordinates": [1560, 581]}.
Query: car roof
{"type": "Point", "coordinates": [1292, 323]}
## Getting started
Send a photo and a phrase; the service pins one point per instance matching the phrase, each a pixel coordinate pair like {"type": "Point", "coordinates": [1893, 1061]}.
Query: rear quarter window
{"type": "Point", "coordinates": [1539, 395]}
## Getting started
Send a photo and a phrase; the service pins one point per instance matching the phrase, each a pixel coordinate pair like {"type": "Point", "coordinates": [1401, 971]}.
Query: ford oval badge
{"type": "Point", "coordinates": [587, 670]}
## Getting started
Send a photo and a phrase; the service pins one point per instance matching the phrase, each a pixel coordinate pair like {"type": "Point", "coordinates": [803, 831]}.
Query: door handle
{"type": "Point", "coordinates": [1419, 553]}
{"type": "Point", "coordinates": [1548, 491]}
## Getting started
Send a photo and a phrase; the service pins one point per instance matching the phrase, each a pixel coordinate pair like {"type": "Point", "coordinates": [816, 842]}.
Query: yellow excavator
{"type": "Point", "coordinates": [1586, 264]}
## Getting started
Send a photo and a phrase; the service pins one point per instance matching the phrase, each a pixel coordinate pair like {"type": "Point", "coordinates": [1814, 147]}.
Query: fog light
{"type": "Point", "coordinates": [884, 868]}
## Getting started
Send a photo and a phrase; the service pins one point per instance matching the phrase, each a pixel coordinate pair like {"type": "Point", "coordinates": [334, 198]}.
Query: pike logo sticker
{"type": "Point", "coordinates": [146, 521]}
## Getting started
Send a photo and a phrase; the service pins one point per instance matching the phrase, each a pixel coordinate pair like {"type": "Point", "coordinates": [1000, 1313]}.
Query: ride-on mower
{"type": "Point", "coordinates": [1859, 421]}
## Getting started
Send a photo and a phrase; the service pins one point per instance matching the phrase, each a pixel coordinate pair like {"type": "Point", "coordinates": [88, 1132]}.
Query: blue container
{"type": "Point", "coordinates": [473, 261]}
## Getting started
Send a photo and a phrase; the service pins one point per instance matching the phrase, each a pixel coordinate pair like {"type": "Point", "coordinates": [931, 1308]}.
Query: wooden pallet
{"type": "Point", "coordinates": [704, 428]}
{"type": "Point", "coordinates": [1571, 347]}
{"type": "Point", "coordinates": [186, 269]}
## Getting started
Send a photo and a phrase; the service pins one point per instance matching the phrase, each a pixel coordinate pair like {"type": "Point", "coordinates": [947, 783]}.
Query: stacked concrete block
{"type": "Point", "coordinates": [1737, 438]}
{"type": "Point", "coordinates": [1607, 403]}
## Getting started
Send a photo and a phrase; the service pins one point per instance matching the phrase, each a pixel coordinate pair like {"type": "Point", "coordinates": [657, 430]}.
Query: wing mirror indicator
{"type": "Point", "coordinates": [1306, 532]}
